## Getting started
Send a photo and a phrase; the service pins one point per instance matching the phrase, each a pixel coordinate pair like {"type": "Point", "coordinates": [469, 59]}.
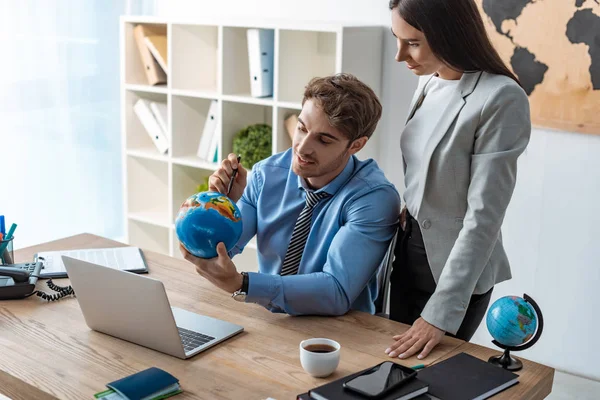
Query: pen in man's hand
{"type": "Point", "coordinates": [235, 171]}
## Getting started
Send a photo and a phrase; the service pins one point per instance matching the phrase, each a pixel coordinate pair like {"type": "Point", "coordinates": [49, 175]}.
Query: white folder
{"type": "Point", "coordinates": [210, 130]}
{"type": "Point", "coordinates": [160, 112]}
{"type": "Point", "coordinates": [212, 149]}
{"type": "Point", "coordinates": [144, 114]}
{"type": "Point", "coordinates": [261, 45]}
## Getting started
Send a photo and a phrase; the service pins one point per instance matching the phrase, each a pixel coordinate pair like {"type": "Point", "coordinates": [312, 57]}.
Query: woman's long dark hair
{"type": "Point", "coordinates": [455, 32]}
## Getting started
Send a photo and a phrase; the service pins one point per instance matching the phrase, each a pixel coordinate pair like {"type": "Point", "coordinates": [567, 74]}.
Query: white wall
{"type": "Point", "coordinates": [552, 222]}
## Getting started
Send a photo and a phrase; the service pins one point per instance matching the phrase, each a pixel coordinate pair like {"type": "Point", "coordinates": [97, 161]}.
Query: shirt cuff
{"type": "Point", "coordinates": [262, 288]}
{"type": "Point", "coordinates": [234, 251]}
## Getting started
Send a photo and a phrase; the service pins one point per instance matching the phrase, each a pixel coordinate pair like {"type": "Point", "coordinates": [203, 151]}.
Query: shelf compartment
{"type": "Point", "coordinates": [303, 55]}
{"type": "Point", "coordinates": [148, 236]}
{"type": "Point", "coordinates": [195, 54]}
{"type": "Point", "coordinates": [147, 190]}
{"type": "Point", "coordinates": [237, 116]}
{"type": "Point", "coordinates": [134, 67]}
{"type": "Point", "coordinates": [136, 136]}
{"type": "Point", "coordinates": [189, 117]}
{"type": "Point", "coordinates": [236, 69]}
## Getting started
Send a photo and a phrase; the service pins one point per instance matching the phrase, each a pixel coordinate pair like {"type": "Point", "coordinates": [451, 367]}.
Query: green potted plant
{"type": "Point", "coordinates": [203, 187]}
{"type": "Point", "coordinates": [253, 143]}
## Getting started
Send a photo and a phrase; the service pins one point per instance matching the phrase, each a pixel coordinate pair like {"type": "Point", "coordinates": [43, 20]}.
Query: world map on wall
{"type": "Point", "coordinates": [553, 46]}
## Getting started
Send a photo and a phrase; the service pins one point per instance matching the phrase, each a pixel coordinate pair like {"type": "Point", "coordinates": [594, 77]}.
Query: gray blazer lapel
{"type": "Point", "coordinates": [417, 99]}
{"type": "Point", "coordinates": [465, 87]}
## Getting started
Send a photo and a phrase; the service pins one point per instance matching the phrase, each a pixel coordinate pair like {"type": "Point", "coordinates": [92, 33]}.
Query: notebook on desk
{"type": "Point", "coordinates": [463, 376]}
{"type": "Point", "coordinates": [130, 259]}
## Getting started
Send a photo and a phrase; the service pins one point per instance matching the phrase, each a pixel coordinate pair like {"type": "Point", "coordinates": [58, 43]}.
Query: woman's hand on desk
{"type": "Point", "coordinates": [220, 271]}
{"type": "Point", "coordinates": [421, 336]}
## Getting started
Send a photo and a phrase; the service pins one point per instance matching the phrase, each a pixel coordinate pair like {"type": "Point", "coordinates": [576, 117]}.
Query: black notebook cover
{"type": "Point", "coordinates": [334, 390]}
{"type": "Point", "coordinates": [464, 377]}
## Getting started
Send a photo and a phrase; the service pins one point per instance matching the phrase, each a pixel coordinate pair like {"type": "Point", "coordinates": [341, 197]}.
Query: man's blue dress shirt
{"type": "Point", "coordinates": [350, 233]}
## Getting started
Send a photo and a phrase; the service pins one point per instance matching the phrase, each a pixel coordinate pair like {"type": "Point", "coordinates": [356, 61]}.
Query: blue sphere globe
{"type": "Point", "coordinates": [204, 220]}
{"type": "Point", "coordinates": [511, 321]}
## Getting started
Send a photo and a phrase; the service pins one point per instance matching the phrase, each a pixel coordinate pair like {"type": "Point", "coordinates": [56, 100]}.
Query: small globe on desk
{"type": "Point", "coordinates": [204, 220]}
{"type": "Point", "coordinates": [516, 324]}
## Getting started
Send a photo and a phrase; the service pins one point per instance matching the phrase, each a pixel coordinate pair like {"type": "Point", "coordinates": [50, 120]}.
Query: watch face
{"type": "Point", "coordinates": [241, 297]}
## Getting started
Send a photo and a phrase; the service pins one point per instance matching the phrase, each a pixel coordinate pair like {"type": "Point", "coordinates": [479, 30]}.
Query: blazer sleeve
{"type": "Point", "coordinates": [501, 136]}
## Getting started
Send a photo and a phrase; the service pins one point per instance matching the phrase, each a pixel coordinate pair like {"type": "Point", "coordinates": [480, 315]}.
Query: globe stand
{"type": "Point", "coordinates": [506, 361]}
{"type": "Point", "coordinates": [514, 364]}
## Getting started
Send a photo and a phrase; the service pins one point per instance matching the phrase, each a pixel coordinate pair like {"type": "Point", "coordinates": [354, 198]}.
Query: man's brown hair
{"type": "Point", "coordinates": [350, 105]}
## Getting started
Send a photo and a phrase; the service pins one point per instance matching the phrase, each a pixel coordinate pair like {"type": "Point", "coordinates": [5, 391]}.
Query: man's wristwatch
{"type": "Point", "coordinates": [241, 293]}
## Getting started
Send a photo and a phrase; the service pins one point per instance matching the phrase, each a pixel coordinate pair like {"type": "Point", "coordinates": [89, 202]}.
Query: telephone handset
{"type": "Point", "coordinates": [18, 275]}
{"type": "Point", "coordinates": [18, 281]}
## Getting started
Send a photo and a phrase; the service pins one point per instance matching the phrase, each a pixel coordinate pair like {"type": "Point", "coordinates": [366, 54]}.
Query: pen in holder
{"type": "Point", "coordinates": [6, 251]}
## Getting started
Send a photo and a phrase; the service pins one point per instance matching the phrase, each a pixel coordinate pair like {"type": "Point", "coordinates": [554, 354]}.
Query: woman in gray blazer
{"type": "Point", "coordinates": [468, 123]}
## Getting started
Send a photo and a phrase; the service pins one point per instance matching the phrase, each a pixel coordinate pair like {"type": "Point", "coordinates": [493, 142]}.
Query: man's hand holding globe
{"type": "Point", "coordinates": [220, 271]}
{"type": "Point", "coordinates": [210, 258]}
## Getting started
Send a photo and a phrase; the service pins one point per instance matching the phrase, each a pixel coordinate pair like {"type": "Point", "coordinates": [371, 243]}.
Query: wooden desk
{"type": "Point", "coordinates": [49, 352]}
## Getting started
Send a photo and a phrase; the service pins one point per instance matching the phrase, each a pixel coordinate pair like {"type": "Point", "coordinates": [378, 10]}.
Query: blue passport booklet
{"type": "Point", "coordinates": [149, 384]}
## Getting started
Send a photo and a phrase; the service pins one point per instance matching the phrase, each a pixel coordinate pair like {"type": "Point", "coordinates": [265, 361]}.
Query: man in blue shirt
{"type": "Point", "coordinates": [323, 219]}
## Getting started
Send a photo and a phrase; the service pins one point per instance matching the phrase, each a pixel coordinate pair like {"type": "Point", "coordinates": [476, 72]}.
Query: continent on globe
{"type": "Point", "coordinates": [500, 11]}
{"type": "Point", "coordinates": [529, 71]}
{"type": "Point", "coordinates": [224, 207]}
{"type": "Point", "coordinates": [584, 28]}
{"type": "Point", "coordinates": [525, 318]}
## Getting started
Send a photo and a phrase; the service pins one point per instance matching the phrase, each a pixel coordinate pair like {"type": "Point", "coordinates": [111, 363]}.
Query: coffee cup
{"type": "Point", "coordinates": [319, 356]}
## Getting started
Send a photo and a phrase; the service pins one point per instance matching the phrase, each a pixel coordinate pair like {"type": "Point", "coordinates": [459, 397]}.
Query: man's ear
{"type": "Point", "coordinates": [357, 145]}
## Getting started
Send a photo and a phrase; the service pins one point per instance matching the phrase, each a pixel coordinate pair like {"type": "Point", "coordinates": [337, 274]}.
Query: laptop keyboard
{"type": "Point", "coordinates": [192, 340]}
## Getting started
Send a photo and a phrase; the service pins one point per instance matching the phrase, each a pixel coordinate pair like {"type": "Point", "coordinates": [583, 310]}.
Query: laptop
{"type": "Point", "coordinates": [135, 308]}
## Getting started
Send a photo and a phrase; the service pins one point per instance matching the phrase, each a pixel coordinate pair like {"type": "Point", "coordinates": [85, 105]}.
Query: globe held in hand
{"type": "Point", "coordinates": [511, 321]}
{"type": "Point", "coordinates": [204, 220]}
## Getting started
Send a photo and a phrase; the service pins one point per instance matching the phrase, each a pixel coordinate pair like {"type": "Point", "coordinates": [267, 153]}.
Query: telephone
{"type": "Point", "coordinates": [18, 281]}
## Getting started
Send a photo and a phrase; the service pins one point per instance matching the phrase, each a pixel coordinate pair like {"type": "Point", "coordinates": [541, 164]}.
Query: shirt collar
{"type": "Point", "coordinates": [332, 187]}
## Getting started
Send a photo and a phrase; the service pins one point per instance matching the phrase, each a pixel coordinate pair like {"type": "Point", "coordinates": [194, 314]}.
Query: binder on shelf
{"type": "Point", "coordinates": [160, 112]}
{"type": "Point", "coordinates": [209, 131]}
{"type": "Point", "coordinates": [154, 72]}
{"type": "Point", "coordinates": [157, 44]}
{"type": "Point", "coordinates": [261, 46]}
{"type": "Point", "coordinates": [144, 114]}
{"type": "Point", "coordinates": [213, 149]}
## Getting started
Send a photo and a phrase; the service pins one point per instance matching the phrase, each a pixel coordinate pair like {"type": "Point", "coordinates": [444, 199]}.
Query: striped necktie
{"type": "Point", "coordinates": [295, 249]}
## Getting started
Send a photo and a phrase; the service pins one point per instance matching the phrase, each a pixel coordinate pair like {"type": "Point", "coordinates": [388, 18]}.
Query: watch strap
{"type": "Point", "coordinates": [245, 283]}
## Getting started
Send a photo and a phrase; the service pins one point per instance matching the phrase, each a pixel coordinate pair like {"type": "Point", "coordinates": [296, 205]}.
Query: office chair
{"type": "Point", "coordinates": [383, 279]}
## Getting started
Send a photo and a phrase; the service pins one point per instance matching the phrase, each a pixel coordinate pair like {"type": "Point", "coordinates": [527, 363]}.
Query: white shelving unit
{"type": "Point", "coordinates": [208, 60]}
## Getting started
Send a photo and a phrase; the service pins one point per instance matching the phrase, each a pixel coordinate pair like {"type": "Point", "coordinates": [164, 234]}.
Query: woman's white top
{"type": "Point", "coordinates": [417, 132]}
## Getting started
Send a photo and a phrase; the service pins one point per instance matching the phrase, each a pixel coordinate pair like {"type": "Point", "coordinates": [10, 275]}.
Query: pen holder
{"type": "Point", "coordinates": [7, 255]}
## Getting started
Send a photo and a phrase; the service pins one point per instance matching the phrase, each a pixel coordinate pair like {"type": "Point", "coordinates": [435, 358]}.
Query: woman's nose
{"type": "Point", "coordinates": [401, 53]}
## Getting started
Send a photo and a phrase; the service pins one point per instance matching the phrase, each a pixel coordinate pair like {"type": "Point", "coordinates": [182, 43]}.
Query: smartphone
{"type": "Point", "coordinates": [380, 379]}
